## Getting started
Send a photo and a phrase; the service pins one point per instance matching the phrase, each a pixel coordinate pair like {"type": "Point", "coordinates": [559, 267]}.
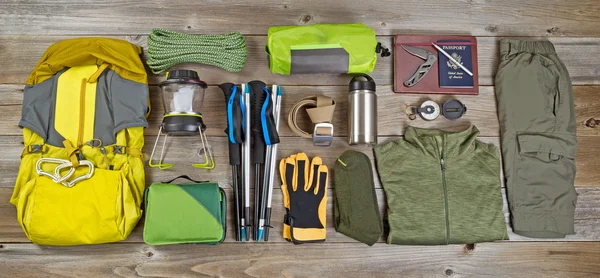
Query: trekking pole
{"type": "Point", "coordinates": [258, 99]}
{"type": "Point", "coordinates": [234, 132]}
{"type": "Point", "coordinates": [271, 163]}
{"type": "Point", "coordinates": [266, 115]}
{"type": "Point", "coordinates": [264, 192]}
{"type": "Point", "coordinates": [246, 164]}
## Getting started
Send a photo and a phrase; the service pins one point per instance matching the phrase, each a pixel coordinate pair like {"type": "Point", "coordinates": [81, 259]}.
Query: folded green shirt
{"type": "Point", "coordinates": [441, 188]}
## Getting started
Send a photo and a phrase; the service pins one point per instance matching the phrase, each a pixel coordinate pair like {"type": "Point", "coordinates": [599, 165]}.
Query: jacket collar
{"type": "Point", "coordinates": [434, 141]}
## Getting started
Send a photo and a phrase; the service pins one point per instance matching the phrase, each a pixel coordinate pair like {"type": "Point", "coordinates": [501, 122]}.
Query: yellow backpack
{"type": "Point", "coordinates": [81, 178]}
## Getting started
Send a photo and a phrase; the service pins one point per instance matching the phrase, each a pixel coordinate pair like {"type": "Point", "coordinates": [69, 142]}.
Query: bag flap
{"type": "Point", "coordinates": [553, 143]}
{"type": "Point", "coordinates": [207, 195]}
{"type": "Point", "coordinates": [188, 213]}
{"type": "Point", "coordinates": [121, 56]}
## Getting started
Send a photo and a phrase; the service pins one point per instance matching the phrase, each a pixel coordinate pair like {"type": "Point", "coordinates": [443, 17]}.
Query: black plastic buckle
{"type": "Point", "coordinates": [385, 52]}
{"type": "Point", "coordinates": [35, 148]}
{"type": "Point", "coordinates": [120, 149]}
{"type": "Point", "coordinates": [80, 155]}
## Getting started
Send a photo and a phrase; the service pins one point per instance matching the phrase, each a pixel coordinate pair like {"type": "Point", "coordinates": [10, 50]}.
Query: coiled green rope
{"type": "Point", "coordinates": [167, 48]}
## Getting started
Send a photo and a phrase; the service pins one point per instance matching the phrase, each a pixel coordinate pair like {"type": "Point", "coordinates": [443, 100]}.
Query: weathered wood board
{"type": "Point", "coordinates": [183, 152]}
{"type": "Point", "coordinates": [581, 56]}
{"type": "Point", "coordinates": [527, 259]}
{"type": "Point", "coordinates": [488, 18]}
{"type": "Point", "coordinates": [587, 217]}
{"type": "Point", "coordinates": [392, 119]}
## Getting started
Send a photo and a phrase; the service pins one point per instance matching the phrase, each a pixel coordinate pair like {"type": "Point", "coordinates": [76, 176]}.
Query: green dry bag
{"type": "Point", "coordinates": [322, 48]}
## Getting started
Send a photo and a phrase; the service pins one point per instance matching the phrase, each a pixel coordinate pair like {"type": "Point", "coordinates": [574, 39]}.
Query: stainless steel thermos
{"type": "Point", "coordinates": [362, 111]}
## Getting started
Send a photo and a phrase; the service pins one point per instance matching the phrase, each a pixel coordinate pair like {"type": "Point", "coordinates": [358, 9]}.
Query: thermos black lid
{"type": "Point", "coordinates": [362, 82]}
{"type": "Point", "coordinates": [183, 76]}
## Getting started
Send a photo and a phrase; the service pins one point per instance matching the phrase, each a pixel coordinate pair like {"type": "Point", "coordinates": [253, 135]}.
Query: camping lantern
{"type": "Point", "coordinates": [182, 96]}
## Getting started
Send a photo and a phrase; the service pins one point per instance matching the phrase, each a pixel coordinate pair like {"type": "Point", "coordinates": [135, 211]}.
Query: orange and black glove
{"type": "Point", "coordinates": [304, 188]}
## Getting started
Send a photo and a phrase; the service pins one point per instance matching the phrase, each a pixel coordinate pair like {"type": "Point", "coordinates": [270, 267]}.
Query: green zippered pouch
{"type": "Point", "coordinates": [185, 213]}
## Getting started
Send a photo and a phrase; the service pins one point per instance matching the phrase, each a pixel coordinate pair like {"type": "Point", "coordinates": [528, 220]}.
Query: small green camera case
{"type": "Point", "coordinates": [185, 213]}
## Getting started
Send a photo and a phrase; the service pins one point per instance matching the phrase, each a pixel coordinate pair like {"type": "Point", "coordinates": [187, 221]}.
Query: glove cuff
{"type": "Point", "coordinates": [305, 235]}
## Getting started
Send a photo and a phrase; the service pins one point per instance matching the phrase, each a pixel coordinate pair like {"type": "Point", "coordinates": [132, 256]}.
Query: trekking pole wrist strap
{"type": "Point", "coordinates": [320, 110]}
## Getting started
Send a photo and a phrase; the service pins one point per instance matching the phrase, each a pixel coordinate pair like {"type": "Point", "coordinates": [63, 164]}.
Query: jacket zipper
{"type": "Point", "coordinates": [443, 166]}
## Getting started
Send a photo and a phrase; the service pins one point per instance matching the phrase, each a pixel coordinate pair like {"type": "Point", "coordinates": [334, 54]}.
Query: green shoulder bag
{"type": "Point", "coordinates": [185, 213]}
{"type": "Point", "coordinates": [322, 48]}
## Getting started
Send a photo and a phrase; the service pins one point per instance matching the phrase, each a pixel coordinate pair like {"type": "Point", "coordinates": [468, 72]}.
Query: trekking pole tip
{"type": "Point", "coordinates": [260, 234]}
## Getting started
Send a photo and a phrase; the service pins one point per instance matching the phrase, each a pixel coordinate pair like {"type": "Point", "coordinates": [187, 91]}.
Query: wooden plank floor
{"type": "Point", "coordinates": [27, 28]}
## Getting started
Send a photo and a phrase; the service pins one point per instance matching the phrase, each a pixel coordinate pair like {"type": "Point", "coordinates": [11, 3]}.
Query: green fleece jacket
{"type": "Point", "coordinates": [441, 188]}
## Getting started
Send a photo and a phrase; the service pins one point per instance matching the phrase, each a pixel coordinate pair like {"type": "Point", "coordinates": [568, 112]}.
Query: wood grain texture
{"type": "Point", "coordinates": [488, 18]}
{"type": "Point", "coordinates": [587, 218]}
{"type": "Point", "coordinates": [558, 259]}
{"type": "Point", "coordinates": [392, 119]}
{"type": "Point", "coordinates": [183, 152]}
{"type": "Point", "coordinates": [27, 28]}
{"type": "Point", "coordinates": [581, 56]}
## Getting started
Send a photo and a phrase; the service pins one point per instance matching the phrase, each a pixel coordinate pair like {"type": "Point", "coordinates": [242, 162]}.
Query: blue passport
{"type": "Point", "coordinates": [451, 75]}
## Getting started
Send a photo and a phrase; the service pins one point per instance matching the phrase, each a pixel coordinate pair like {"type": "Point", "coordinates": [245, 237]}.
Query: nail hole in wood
{"type": "Point", "coordinates": [492, 28]}
{"type": "Point", "coordinates": [592, 123]}
{"type": "Point", "coordinates": [469, 248]}
{"type": "Point", "coordinates": [306, 18]}
{"type": "Point", "coordinates": [449, 272]}
{"type": "Point", "coordinates": [149, 254]}
{"type": "Point", "coordinates": [552, 30]}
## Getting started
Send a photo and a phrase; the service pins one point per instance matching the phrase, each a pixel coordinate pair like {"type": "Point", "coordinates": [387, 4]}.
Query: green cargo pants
{"type": "Point", "coordinates": [537, 122]}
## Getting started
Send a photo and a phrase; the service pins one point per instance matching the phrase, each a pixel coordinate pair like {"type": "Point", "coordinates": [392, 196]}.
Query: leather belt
{"type": "Point", "coordinates": [320, 110]}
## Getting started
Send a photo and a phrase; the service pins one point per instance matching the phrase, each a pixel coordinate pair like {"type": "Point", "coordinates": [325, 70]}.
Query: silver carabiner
{"type": "Point", "coordinates": [57, 178]}
{"type": "Point", "coordinates": [62, 164]}
{"type": "Point", "coordinates": [89, 174]}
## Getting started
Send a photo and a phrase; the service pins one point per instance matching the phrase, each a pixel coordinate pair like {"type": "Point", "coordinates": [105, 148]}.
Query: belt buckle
{"type": "Point", "coordinates": [323, 140]}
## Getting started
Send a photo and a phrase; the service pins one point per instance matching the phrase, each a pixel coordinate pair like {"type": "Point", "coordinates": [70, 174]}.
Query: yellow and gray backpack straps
{"type": "Point", "coordinates": [84, 112]}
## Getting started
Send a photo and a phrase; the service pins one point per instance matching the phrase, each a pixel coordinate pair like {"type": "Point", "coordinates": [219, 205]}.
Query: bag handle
{"type": "Point", "coordinates": [184, 177]}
